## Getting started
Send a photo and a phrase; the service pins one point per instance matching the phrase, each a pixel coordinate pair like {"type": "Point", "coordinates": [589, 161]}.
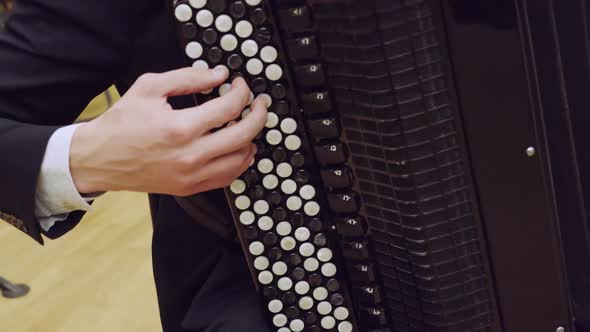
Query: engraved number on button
{"type": "Point", "coordinates": [327, 122]}
{"type": "Point", "coordinates": [333, 148]}
{"type": "Point", "coordinates": [304, 41]}
{"type": "Point", "coordinates": [351, 222]}
{"type": "Point", "coordinates": [338, 172]}
{"type": "Point", "coordinates": [313, 68]}
{"type": "Point", "coordinates": [296, 11]}
{"type": "Point", "coordinates": [364, 268]}
{"type": "Point", "coordinates": [346, 198]}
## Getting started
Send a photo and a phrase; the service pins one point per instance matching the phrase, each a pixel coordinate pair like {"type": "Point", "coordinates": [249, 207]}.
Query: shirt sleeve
{"type": "Point", "coordinates": [56, 194]}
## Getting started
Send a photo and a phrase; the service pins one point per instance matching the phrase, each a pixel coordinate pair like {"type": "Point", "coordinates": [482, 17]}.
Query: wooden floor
{"type": "Point", "coordinates": [97, 278]}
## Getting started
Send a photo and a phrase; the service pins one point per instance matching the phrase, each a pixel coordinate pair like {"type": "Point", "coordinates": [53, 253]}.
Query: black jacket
{"type": "Point", "coordinates": [55, 56]}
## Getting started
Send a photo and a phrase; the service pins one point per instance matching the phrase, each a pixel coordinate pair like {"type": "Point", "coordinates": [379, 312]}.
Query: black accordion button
{"type": "Point", "coordinates": [263, 36]}
{"type": "Point", "coordinates": [355, 250]}
{"type": "Point", "coordinates": [297, 160]}
{"type": "Point", "coordinates": [310, 318]}
{"type": "Point", "coordinates": [258, 85]}
{"type": "Point", "coordinates": [333, 285]}
{"type": "Point", "coordinates": [338, 178]}
{"type": "Point", "coordinates": [237, 9]}
{"type": "Point", "coordinates": [343, 203]}
{"type": "Point", "coordinates": [295, 260]}
{"type": "Point", "coordinates": [292, 312]}
{"type": "Point", "coordinates": [317, 102]}
{"type": "Point", "coordinates": [324, 128]}
{"type": "Point", "coordinates": [214, 54]}
{"type": "Point", "coordinates": [281, 108]}
{"type": "Point", "coordinates": [314, 328]}
{"type": "Point", "coordinates": [302, 177]}
{"type": "Point", "coordinates": [336, 300]}
{"type": "Point", "coordinates": [258, 16]}
{"type": "Point", "coordinates": [298, 273]}
{"type": "Point", "coordinates": [234, 62]}
{"type": "Point", "coordinates": [251, 233]}
{"type": "Point", "coordinates": [251, 176]}
{"type": "Point", "coordinates": [270, 292]}
{"type": "Point", "coordinates": [320, 240]}
{"type": "Point", "coordinates": [257, 192]}
{"type": "Point", "coordinates": [297, 219]}
{"type": "Point", "coordinates": [330, 154]}
{"type": "Point", "coordinates": [275, 254]}
{"type": "Point", "coordinates": [210, 36]}
{"type": "Point", "coordinates": [373, 317]}
{"type": "Point", "coordinates": [315, 225]}
{"type": "Point", "coordinates": [269, 239]}
{"type": "Point", "coordinates": [217, 6]}
{"type": "Point", "coordinates": [315, 280]}
{"type": "Point", "coordinates": [368, 295]}
{"type": "Point", "coordinates": [189, 31]}
{"type": "Point", "coordinates": [279, 214]}
{"type": "Point", "coordinates": [279, 155]}
{"type": "Point", "coordinates": [296, 19]}
{"type": "Point", "coordinates": [351, 227]}
{"type": "Point", "coordinates": [310, 76]}
{"type": "Point", "coordinates": [278, 91]}
{"type": "Point", "coordinates": [304, 48]}
{"type": "Point", "coordinates": [274, 198]}
{"type": "Point", "coordinates": [289, 298]}
{"type": "Point", "coordinates": [361, 273]}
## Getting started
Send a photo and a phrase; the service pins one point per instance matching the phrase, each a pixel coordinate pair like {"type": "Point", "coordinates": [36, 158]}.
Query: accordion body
{"type": "Point", "coordinates": [420, 169]}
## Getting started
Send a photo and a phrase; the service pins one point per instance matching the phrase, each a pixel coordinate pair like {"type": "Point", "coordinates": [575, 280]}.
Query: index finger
{"type": "Point", "coordinates": [237, 136]}
{"type": "Point", "coordinates": [180, 82]}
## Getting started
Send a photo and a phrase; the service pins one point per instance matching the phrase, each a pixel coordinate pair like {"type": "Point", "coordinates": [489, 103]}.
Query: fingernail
{"type": "Point", "coordinates": [265, 99]}
{"type": "Point", "coordinates": [252, 161]}
{"type": "Point", "coordinates": [221, 71]}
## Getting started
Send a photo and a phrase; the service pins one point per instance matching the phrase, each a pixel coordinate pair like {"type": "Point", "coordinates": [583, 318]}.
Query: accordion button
{"type": "Point", "coordinates": [343, 203]}
{"type": "Point", "coordinates": [320, 293]}
{"type": "Point", "coordinates": [229, 43]}
{"type": "Point", "coordinates": [336, 299]}
{"type": "Point", "coordinates": [285, 284]}
{"type": "Point", "coordinates": [275, 254]}
{"type": "Point", "coordinates": [258, 85]}
{"type": "Point", "coordinates": [302, 176]}
{"type": "Point", "coordinates": [250, 233]}
{"type": "Point", "coordinates": [329, 270]}
{"type": "Point", "coordinates": [214, 54]}
{"type": "Point", "coordinates": [304, 48]}
{"type": "Point", "coordinates": [265, 223]}
{"type": "Point", "coordinates": [302, 287]}
{"type": "Point", "coordinates": [315, 225]}
{"type": "Point", "coordinates": [328, 322]}
{"type": "Point", "coordinates": [234, 62]}
{"type": "Point", "coordinates": [183, 12]}
{"type": "Point", "coordinates": [368, 295]}
{"type": "Point", "coordinates": [310, 76]}
{"type": "Point", "coordinates": [284, 228]}
{"type": "Point", "coordinates": [269, 239]}
{"type": "Point", "coordinates": [314, 328]}
{"type": "Point", "coordinates": [298, 273]}
{"type": "Point", "coordinates": [297, 219]}
{"type": "Point", "coordinates": [373, 317]}
{"type": "Point", "coordinates": [355, 250]}
{"type": "Point", "coordinates": [261, 263]}
{"type": "Point", "coordinates": [200, 64]}
{"type": "Point", "coordinates": [302, 234]}
{"type": "Point", "coordinates": [324, 128]}
{"type": "Point", "coordinates": [269, 54]}
{"type": "Point", "coordinates": [278, 91]}
{"type": "Point", "coordinates": [317, 102]}
{"type": "Point", "coordinates": [330, 154]}
{"type": "Point", "coordinates": [324, 308]}
{"type": "Point", "coordinates": [279, 213]}
{"type": "Point", "coordinates": [296, 19]}
{"type": "Point", "coordinates": [217, 6]}
{"type": "Point", "coordinates": [198, 3]}
{"type": "Point", "coordinates": [279, 268]}
{"type": "Point", "coordinates": [341, 313]}
{"type": "Point", "coordinates": [275, 306]}
{"type": "Point", "coordinates": [237, 9]}
{"type": "Point", "coordinates": [325, 254]}
{"type": "Point", "coordinates": [204, 18]}
{"type": "Point", "coordinates": [279, 320]}
{"type": "Point", "coordinates": [288, 243]}
{"type": "Point", "coordinates": [244, 29]}
{"type": "Point", "coordinates": [345, 327]}
{"type": "Point", "coordinates": [189, 31]}
{"type": "Point", "coordinates": [289, 298]}
{"type": "Point", "coordinates": [247, 218]}
{"type": "Point", "coordinates": [311, 208]}
{"type": "Point", "coordinates": [263, 35]}
{"type": "Point", "coordinates": [306, 303]}
{"type": "Point", "coordinates": [281, 108]}
{"type": "Point", "coordinates": [249, 48]}
{"type": "Point", "coordinates": [320, 240]}
{"type": "Point", "coordinates": [254, 66]}
{"type": "Point", "coordinates": [265, 277]}
{"type": "Point", "coordinates": [351, 227]}
{"type": "Point", "coordinates": [293, 312]}
{"type": "Point", "coordinates": [337, 178]}
{"type": "Point", "coordinates": [333, 285]}
{"type": "Point", "coordinates": [270, 292]}
{"type": "Point", "coordinates": [210, 36]}
{"type": "Point", "coordinates": [310, 318]}
{"type": "Point", "coordinates": [270, 181]}
{"type": "Point", "coordinates": [258, 16]}
{"type": "Point", "coordinates": [311, 264]}
{"type": "Point", "coordinates": [362, 273]}
{"type": "Point", "coordinates": [275, 198]}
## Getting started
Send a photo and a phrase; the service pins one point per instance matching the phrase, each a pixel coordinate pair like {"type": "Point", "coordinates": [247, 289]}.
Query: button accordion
{"type": "Point", "coordinates": [409, 176]}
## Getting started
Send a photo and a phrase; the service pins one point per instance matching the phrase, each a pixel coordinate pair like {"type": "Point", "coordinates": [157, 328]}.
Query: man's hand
{"type": "Point", "coordinates": [142, 144]}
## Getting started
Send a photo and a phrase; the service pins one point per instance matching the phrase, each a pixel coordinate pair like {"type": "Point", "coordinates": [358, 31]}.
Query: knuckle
{"type": "Point", "coordinates": [176, 132]}
{"type": "Point", "coordinates": [146, 80]}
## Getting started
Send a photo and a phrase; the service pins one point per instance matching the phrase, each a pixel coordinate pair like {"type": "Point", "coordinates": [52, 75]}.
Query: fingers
{"type": "Point", "coordinates": [222, 171]}
{"type": "Point", "coordinates": [180, 82]}
{"type": "Point", "coordinates": [237, 136]}
{"type": "Point", "coordinates": [218, 111]}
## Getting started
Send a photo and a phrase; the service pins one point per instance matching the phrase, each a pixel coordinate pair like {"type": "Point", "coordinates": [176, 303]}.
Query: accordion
{"type": "Point", "coordinates": [421, 167]}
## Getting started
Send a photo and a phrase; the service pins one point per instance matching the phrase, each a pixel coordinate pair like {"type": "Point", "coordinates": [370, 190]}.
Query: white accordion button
{"type": "Point", "coordinates": [274, 72]}
{"type": "Point", "coordinates": [279, 268]}
{"type": "Point", "coordinates": [307, 192]}
{"type": "Point", "coordinates": [265, 223]}
{"type": "Point", "coordinates": [183, 13]}
{"type": "Point", "coordinates": [311, 209]}
{"type": "Point", "coordinates": [329, 270]}
{"type": "Point", "coordinates": [249, 48]}
{"type": "Point", "coordinates": [324, 308]}
{"type": "Point", "coordinates": [265, 277]}
{"type": "Point", "coordinates": [274, 137]}
{"type": "Point", "coordinates": [198, 4]}
{"type": "Point", "coordinates": [294, 203]}
{"type": "Point", "coordinates": [306, 249]}
{"type": "Point", "coordinates": [302, 234]}
{"type": "Point", "coordinates": [328, 322]}
{"type": "Point", "coordinates": [204, 18]}
{"type": "Point", "coordinates": [200, 64]}
{"type": "Point", "coordinates": [238, 186]}
{"type": "Point", "coordinates": [270, 181]}
{"type": "Point", "coordinates": [284, 329]}
{"type": "Point", "coordinates": [223, 23]}
{"type": "Point", "coordinates": [247, 218]}
{"type": "Point", "coordinates": [254, 66]}
{"type": "Point", "coordinates": [284, 228]}
{"type": "Point", "coordinates": [194, 50]}
{"type": "Point", "coordinates": [275, 306]}
{"type": "Point", "coordinates": [302, 287]}
{"type": "Point", "coordinates": [288, 125]}
{"type": "Point", "coordinates": [256, 248]}
{"type": "Point", "coordinates": [320, 293]}
{"type": "Point", "coordinates": [341, 313]}
{"type": "Point", "coordinates": [261, 207]}
{"type": "Point", "coordinates": [297, 325]}
{"type": "Point", "coordinates": [244, 29]}
{"type": "Point", "coordinates": [279, 320]}
{"type": "Point", "coordinates": [284, 170]}
{"type": "Point", "coordinates": [288, 243]}
{"type": "Point", "coordinates": [261, 263]}
{"type": "Point", "coordinates": [306, 303]}
{"type": "Point", "coordinates": [292, 142]}
{"type": "Point", "coordinates": [242, 202]}
{"type": "Point", "coordinates": [253, 2]}
{"type": "Point", "coordinates": [285, 283]}
{"type": "Point", "coordinates": [229, 43]}
{"type": "Point", "coordinates": [289, 186]}
{"type": "Point", "coordinates": [325, 254]}
{"type": "Point", "coordinates": [345, 327]}
{"type": "Point", "coordinates": [265, 166]}
{"type": "Point", "coordinates": [272, 120]}
{"type": "Point", "coordinates": [311, 264]}
{"type": "Point", "coordinates": [268, 54]}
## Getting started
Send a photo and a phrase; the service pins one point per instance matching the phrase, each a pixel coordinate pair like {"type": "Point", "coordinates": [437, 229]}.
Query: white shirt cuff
{"type": "Point", "coordinates": [56, 195]}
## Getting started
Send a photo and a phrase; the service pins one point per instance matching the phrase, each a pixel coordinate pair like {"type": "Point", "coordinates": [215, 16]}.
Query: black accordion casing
{"type": "Point", "coordinates": [445, 143]}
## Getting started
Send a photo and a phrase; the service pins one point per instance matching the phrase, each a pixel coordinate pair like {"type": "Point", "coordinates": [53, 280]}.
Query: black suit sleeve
{"type": "Point", "coordinates": [55, 56]}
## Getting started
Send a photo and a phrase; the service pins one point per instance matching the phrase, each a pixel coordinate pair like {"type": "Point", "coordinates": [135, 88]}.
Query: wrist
{"type": "Point", "coordinates": [82, 154]}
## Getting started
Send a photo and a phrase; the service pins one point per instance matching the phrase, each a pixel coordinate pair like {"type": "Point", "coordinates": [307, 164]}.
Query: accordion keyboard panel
{"type": "Point", "coordinates": [358, 213]}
